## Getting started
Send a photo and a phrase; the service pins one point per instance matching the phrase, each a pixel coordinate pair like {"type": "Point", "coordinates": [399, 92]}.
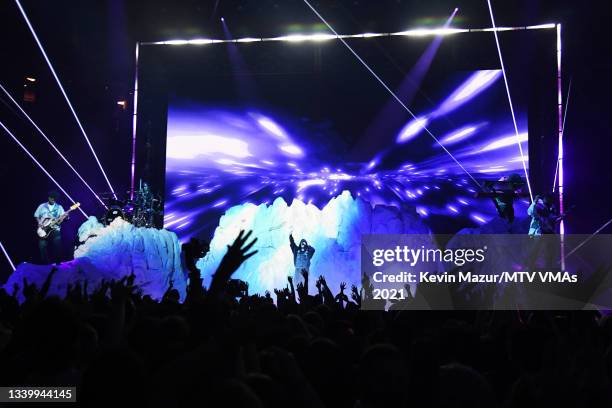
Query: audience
{"type": "Point", "coordinates": [222, 347]}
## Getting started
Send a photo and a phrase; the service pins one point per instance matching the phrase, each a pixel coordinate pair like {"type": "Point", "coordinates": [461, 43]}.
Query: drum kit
{"type": "Point", "coordinates": [143, 210]}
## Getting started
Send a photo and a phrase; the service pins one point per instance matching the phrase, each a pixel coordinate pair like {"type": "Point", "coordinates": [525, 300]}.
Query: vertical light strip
{"type": "Point", "coordinates": [134, 122]}
{"type": "Point", "coordinates": [65, 95]}
{"type": "Point", "coordinates": [560, 116]}
{"type": "Point", "coordinates": [560, 159]}
{"type": "Point", "coordinates": [52, 145]}
{"type": "Point", "coordinates": [40, 165]}
{"type": "Point", "coordinates": [569, 89]}
{"type": "Point", "coordinates": [501, 61]}
{"type": "Point", "coordinates": [8, 258]}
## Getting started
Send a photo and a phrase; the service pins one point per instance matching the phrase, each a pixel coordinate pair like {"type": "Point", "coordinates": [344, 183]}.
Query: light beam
{"type": "Point", "coordinates": [52, 145]}
{"type": "Point", "coordinates": [389, 89]}
{"type": "Point", "coordinates": [8, 258]}
{"type": "Point", "coordinates": [501, 61]}
{"type": "Point", "coordinates": [587, 240]}
{"type": "Point", "coordinates": [27, 20]}
{"type": "Point", "coordinates": [40, 165]}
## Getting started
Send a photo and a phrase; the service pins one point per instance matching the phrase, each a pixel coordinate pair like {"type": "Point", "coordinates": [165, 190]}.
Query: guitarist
{"type": "Point", "coordinates": [544, 215]}
{"type": "Point", "coordinates": [50, 209]}
{"type": "Point", "coordinates": [543, 229]}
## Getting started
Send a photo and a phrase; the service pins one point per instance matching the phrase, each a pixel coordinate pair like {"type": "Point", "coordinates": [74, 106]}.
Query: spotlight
{"type": "Point", "coordinates": [123, 104]}
{"type": "Point", "coordinates": [222, 19]}
{"type": "Point", "coordinates": [176, 42]}
{"type": "Point", "coordinates": [248, 40]}
{"type": "Point", "coordinates": [30, 79]}
{"type": "Point", "coordinates": [199, 41]}
{"type": "Point", "coordinates": [505, 142]}
{"type": "Point", "coordinates": [423, 32]}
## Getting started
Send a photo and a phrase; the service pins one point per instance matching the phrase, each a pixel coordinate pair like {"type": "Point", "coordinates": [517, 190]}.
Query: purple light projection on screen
{"type": "Point", "coordinates": [218, 157]}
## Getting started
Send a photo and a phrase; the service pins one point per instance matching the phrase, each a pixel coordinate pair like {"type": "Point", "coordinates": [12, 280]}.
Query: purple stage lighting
{"type": "Point", "coordinates": [290, 155]}
{"type": "Point", "coordinates": [201, 176]}
{"type": "Point", "coordinates": [391, 115]}
{"type": "Point", "coordinates": [473, 86]}
{"type": "Point", "coordinates": [412, 129]}
{"type": "Point", "coordinates": [373, 163]}
{"type": "Point", "coordinates": [271, 126]}
{"type": "Point", "coordinates": [504, 142]}
{"type": "Point", "coordinates": [291, 149]}
{"type": "Point", "coordinates": [479, 218]}
{"type": "Point", "coordinates": [185, 147]}
{"type": "Point", "coordinates": [458, 135]}
{"type": "Point", "coordinates": [387, 87]}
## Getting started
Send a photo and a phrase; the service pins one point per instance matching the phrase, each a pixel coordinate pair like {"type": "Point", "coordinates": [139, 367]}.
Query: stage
{"type": "Point", "coordinates": [319, 136]}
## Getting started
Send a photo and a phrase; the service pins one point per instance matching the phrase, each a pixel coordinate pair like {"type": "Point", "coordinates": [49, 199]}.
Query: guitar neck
{"type": "Point", "coordinates": [61, 218]}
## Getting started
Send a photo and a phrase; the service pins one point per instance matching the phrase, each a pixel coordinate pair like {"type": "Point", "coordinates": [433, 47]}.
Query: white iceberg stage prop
{"type": "Point", "coordinates": [111, 253]}
{"type": "Point", "coordinates": [155, 255]}
{"type": "Point", "coordinates": [334, 231]}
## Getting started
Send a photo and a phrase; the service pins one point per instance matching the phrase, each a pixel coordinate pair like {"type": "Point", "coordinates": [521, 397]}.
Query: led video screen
{"type": "Point", "coordinates": [250, 137]}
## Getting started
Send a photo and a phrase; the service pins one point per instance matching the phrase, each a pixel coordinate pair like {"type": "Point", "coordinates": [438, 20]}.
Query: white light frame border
{"type": "Point", "coordinates": [321, 37]}
{"type": "Point", "coordinates": [317, 37]}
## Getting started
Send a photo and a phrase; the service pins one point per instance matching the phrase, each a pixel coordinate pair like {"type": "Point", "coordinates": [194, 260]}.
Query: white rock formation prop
{"type": "Point", "coordinates": [111, 253]}
{"type": "Point", "coordinates": [154, 255]}
{"type": "Point", "coordinates": [334, 231]}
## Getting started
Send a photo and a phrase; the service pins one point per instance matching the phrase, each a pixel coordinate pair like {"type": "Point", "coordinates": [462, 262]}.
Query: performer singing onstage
{"type": "Point", "coordinates": [50, 209]}
{"type": "Point", "coordinates": [302, 255]}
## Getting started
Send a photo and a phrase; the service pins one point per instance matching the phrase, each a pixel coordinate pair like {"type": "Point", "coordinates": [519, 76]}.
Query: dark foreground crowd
{"type": "Point", "coordinates": [292, 348]}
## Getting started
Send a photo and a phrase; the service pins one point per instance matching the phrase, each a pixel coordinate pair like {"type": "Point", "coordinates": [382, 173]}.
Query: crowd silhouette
{"type": "Point", "coordinates": [292, 348]}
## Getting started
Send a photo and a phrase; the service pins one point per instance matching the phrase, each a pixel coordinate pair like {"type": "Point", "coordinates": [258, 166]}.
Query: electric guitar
{"type": "Point", "coordinates": [45, 226]}
{"type": "Point", "coordinates": [549, 222]}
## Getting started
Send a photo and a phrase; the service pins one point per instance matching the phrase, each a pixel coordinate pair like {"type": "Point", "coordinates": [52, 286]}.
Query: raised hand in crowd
{"type": "Point", "coordinates": [237, 253]}
{"type": "Point", "coordinates": [341, 298]}
{"type": "Point", "coordinates": [291, 289]}
{"type": "Point", "coordinates": [302, 291]}
{"type": "Point", "coordinates": [356, 295]}
{"type": "Point", "coordinates": [328, 296]}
